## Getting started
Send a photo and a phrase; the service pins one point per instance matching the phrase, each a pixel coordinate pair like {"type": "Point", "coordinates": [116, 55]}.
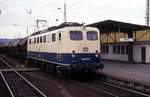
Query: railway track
{"type": "Point", "coordinates": [20, 87]}
{"type": "Point", "coordinates": [66, 87]}
{"type": "Point", "coordinates": [115, 90]}
{"type": "Point", "coordinates": [17, 85]}
{"type": "Point", "coordinates": [4, 59]}
{"type": "Point", "coordinates": [2, 65]}
{"type": "Point", "coordinates": [4, 92]}
{"type": "Point", "coordinates": [95, 88]}
{"type": "Point", "coordinates": [110, 89]}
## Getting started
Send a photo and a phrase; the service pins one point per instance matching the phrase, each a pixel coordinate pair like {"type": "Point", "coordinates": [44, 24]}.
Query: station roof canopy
{"type": "Point", "coordinates": [116, 26]}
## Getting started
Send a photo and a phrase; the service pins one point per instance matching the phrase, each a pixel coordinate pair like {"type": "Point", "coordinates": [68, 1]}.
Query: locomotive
{"type": "Point", "coordinates": [67, 49]}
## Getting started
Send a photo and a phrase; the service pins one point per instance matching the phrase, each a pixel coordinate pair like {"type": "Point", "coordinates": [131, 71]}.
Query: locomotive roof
{"type": "Point", "coordinates": [65, 24]}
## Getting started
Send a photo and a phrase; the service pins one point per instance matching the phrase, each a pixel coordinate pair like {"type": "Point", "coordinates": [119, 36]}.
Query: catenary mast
{"type": "Point", "coordinates": [147, 13]}
{"type": "Point", "coordinates": [65, 12]}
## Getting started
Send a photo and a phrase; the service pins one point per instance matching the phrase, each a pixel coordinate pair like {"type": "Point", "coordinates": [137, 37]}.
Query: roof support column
{"type": "Point", "coordinates": [130, 46]}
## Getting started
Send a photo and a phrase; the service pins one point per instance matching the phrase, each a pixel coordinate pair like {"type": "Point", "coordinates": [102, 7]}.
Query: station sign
{"type": "Point", "coordinates": [126, 39]}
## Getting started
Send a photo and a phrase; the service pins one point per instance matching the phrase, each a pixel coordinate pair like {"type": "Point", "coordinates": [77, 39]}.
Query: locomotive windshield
{"type": "Point", "coordinates": [76, 35]}
{"type": "Point", "coordinates": [92, 35]}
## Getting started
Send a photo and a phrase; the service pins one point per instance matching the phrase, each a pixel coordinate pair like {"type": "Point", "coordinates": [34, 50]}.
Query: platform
{"type": "Point", "coordinates": [131, 72]}
{"type": "Point", "coordinates": [21, 69]}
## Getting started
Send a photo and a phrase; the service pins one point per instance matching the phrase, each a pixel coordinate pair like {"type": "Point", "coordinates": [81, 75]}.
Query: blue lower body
{"type": "Point", "coordinates": [79, 62]}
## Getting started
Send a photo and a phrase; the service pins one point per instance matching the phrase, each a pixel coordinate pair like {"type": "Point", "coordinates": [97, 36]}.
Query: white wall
{"type": "Point", "coordinates": [137, 52]}
{"type": "Point", "coordinates": [111, 56]}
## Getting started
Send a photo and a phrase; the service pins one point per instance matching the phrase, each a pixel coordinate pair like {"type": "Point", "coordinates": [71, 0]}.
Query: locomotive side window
{"type": "Point", "coordinates": [92, 35]}
{"type": "Point", "coordinates": [37, 39]}
{"type": "Point", "coordinates": [44, 38]}
{"type": "Point", "coordinates": [59, 36]}
{"type": "Point", "coordinates": [34, 40]}
{"type": "Point", "coordinates": [29, 41]}
{"type": "Point", "coordinates": [53, 37]}
{"type": "Point", "coordinates": [40, 39]}
{"type": "Point", "coordinates": [76, 35]}
{"type": "Point", "coordinates": [48, 39]}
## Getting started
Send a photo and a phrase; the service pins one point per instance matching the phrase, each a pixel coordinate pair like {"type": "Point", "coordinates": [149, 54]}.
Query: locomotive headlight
{"type": "Point", "coordinates": [73, 53]}
{"type": "Point", "coordinates": [97, 54]}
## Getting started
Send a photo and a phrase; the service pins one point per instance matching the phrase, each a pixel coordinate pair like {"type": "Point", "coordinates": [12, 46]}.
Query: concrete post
{"type": "Point", "coordinates": [130, 46]}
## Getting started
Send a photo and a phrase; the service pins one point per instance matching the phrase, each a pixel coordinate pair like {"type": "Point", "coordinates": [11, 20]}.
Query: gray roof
{"type": "Point", "coordinates": [113, 26]}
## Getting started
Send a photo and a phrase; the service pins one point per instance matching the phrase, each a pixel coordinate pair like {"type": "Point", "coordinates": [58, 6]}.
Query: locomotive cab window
{"type": "Point", "coordinates": [76, 35]}
{"type": "Point", "coordinates": [92, 35]}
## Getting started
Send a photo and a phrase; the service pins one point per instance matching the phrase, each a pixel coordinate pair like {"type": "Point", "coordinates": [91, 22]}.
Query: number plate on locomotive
{"type": "Point", "coordinates": [85, 59]}
{"type": "Point", "coordinates": [85, 49]}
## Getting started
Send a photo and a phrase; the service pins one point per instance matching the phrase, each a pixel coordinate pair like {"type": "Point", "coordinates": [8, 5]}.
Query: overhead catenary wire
{"type": "Point", "coordinates": [85, 8]}
{"type": "Point", "coordinates": [99, 10]}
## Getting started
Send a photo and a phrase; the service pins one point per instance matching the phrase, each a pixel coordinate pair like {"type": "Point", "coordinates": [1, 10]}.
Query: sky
{"type": "Point", "coordinates": [18, 17]}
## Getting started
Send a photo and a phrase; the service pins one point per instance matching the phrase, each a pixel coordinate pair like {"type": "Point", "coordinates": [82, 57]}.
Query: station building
{"type": "Point", "coordinates": [122, 41]}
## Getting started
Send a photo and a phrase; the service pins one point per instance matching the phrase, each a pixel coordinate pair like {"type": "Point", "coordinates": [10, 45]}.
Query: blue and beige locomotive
{"type": "Point", "coordinates": [68, 49]}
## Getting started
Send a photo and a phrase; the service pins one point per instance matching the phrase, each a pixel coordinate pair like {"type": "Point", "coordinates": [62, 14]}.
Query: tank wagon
{"type": "Point", "coordinates": [16, 48]}
{"type": "Point", "coordinates": [68, 48]}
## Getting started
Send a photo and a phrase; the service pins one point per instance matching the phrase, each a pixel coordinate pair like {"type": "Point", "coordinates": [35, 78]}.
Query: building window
{"type": "Point", "coordinates": [44, 38]}
{"type": "Point", "coordinates": [101, 49]}
{"type": "Point", "coordinates": [40, 39]}
{"type": "Point", "coordinates": [126, 49]}
{"type": "Point", "coordinates": [53, 37]}
{"type": "Point", "coordinates": [118, 49]}
{"type": "Point", "coordinates": [122, 50]}
{"type": "Point", "coordinates": [37, 39]}
{"type": "Point", "coordinates": [114, 49]}
{"type": "Point", "coordinates": [105, 49]}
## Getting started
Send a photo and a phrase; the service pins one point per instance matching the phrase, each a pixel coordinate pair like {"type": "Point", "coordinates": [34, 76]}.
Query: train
{"type": "Point", "coordinates": [69, 48]}
{"type": "Point", "coordinates": [15, 48]}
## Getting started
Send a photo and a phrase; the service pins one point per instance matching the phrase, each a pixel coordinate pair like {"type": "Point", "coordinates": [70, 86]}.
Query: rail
{"type": "Point", "coordinates": [14, 70]}
{"type": "Point", "coordinates": [97, 85]}
{"type": "Point", "coordinates": [7, 84]}
{"type": "Point", "coordinates": [119, 87]}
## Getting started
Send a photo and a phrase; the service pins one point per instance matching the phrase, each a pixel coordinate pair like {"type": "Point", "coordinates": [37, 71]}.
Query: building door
{"type": "Point", "coordinates": [143, 54]}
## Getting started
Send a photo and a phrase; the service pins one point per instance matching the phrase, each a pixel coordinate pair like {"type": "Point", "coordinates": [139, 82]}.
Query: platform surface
{"type": "Point", "coordinates": [135, 72]}
{"type": "Point", "coordinates": [21, 69]}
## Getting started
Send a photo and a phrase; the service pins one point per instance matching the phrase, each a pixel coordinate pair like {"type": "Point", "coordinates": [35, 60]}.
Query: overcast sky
{"type": "Point", "coordinates": [16, 15]}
